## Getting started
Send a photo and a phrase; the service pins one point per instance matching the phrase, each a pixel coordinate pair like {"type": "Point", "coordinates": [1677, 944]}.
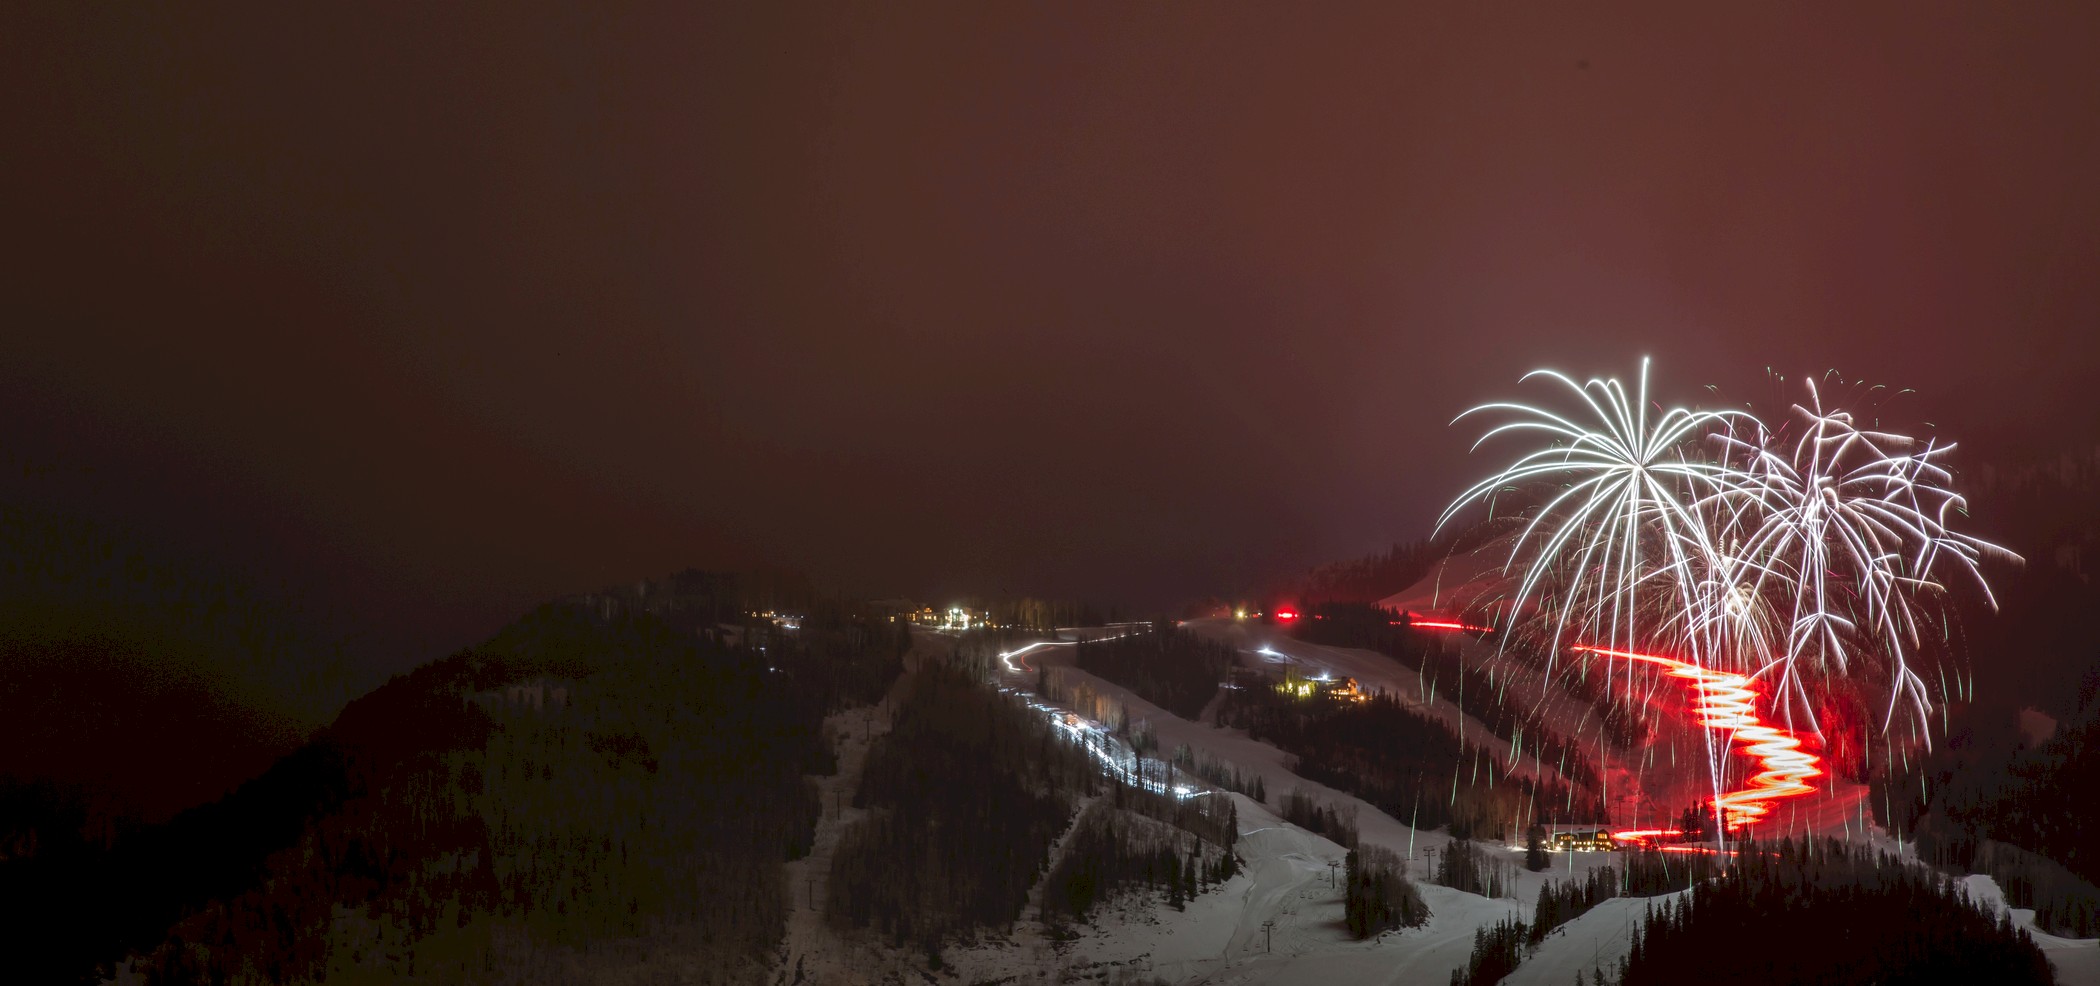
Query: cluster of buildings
{"type": "Point", "coordinates": [951, 618]}
{"type": "Point", "coordinates": [1297, 685]}
{"type": "Point", "coordinates": [1582, 840]}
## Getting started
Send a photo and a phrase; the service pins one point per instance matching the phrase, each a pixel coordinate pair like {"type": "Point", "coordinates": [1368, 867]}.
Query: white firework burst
{"type": "Point", "coordinates": [1783, 555]}
{"type": "Point", "coordinates": [1852, 527]}
{"type": "Point", "coordinates": [1618, 535]}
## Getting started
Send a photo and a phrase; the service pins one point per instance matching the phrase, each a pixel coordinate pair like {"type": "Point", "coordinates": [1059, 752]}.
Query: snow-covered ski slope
{"type": "Point", "coordinates": [1286, 884]}
{"type": "Point", "coordinates": [1644, 791]}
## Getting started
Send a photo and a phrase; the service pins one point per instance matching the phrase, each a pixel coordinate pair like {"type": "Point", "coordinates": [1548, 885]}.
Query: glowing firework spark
{"type": "Point", "coordinates": [1625, 511]}
{"type": "Point", "coordinates": [1748, 551]}
{"type": "Point", "coordinates": [1852, 526]}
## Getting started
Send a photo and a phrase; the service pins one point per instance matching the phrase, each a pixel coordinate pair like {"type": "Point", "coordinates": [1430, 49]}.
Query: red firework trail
{"type": "Point", "coordinates": [1422, 621]}
{"type": "Point", "coordinates": [1728, 704]}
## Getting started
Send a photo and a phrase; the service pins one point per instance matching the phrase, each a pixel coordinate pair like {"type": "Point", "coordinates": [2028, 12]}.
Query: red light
{"type": "Point", "coordinates": [1631, 834]}
{"type": "Point", "coordinates": [1285, 614]}
{"type": "Point", "coordinates": [1728, 705]}
{"type": "Point", "coordinates": [1421, 623]}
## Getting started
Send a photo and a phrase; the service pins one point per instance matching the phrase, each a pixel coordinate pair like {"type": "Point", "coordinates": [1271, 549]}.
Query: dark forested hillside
{"type": "Point", "coordinates": [1173, 669]}
{"type": "Point", "coordinates": [123, 735]}
{"type": "Point", "coordinates": [968, 794]}
{"type": "Point", "coordinates": [1847, 915]}
{"type": "Point", "coordinates": [136, 684]}
{"type": "Point", "coordinates": [68, 580]}
{"type": "Point", "coordinates": [1131, 837]}
{"type": "Point", "coordinates": [1378, 895]}
{"type": "Point", "coordinates": [578, 785]}
{"type": "Point", "coordinates": [1561, 901]}
{"type": "Point", "coordinates": [1367, 579]}
{"type": "Point", "coordinates": [71, 909]}
{"type": "Point", "coordinates": [1988, 797]}
{"type": "Point", "coordinates": [1045, 615]}
{"type": "Point", "coordinates": [1479, 692]}
{"type": "Point", "coordinates": [1409, 765]}
{"type": "Point", "coordinates": [2021, 814]}
{"type": "Point", "coordinates": [697, 599]}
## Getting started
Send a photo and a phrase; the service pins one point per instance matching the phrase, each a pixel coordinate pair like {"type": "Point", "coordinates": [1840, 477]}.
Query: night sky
{"type": "Point", "coordinates": [425, 314]}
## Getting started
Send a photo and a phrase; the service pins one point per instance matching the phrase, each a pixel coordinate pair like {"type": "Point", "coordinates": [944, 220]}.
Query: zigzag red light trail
{"type": "Point", "coordinates": [1728, 703]}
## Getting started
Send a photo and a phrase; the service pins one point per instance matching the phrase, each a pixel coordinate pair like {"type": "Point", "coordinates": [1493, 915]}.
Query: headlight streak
{"type": "Point", "coordinates": [1115, 757]}
{"type": "Point", "coordinates": [1007, 657]}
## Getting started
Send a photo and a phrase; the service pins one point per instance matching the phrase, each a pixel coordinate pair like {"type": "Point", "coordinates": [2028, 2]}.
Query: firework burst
{"type": "Point", "coordinates": [1789, 556]}
{"type": "Point", "coordinates": [1623, 508]}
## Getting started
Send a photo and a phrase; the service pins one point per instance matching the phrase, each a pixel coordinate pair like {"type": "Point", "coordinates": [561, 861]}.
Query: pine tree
{"type": "Point", "coordinates": [1174, 899]}
{"type": "Point", "coordinates": [1188, 873]}
{"type": "Point", "coordinates": [1547, 914]}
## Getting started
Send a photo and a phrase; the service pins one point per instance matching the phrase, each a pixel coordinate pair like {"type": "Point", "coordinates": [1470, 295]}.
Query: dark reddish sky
{"type": "Point", "coordinates": [436, 313]}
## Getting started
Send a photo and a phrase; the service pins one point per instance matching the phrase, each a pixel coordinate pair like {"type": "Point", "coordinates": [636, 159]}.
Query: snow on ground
{"type": "Point", "coordinates": [2077, 960]}
{"type": "Point", "coordinates": [1597, 940]}
{"type": "Point", "coordinates": [1287, 884]}
{"type": "Point", "coordinates": [1642, 792]}
{"type": "Point", "coordinates": [1460, 581]}
{"type": "Point", "coordinates": [1632, 790]}
{"type": "Point", "coordinates": [1235, 747]}
{"type": "Point", "coordinates": [1220, 938]}
{"type": "Point", "coordinates": [1373, 672]}
{"type": "Point", "coordinates": [812, 951]}
{"type": "Point", "coordinates": [1286, 879]}
{"type": "Point", "coordinates": [1473, 578]}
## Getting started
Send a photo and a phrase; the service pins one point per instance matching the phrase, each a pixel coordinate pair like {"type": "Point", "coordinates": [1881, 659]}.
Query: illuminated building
{"type": "Point", "coordinates": [1583, 840]}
